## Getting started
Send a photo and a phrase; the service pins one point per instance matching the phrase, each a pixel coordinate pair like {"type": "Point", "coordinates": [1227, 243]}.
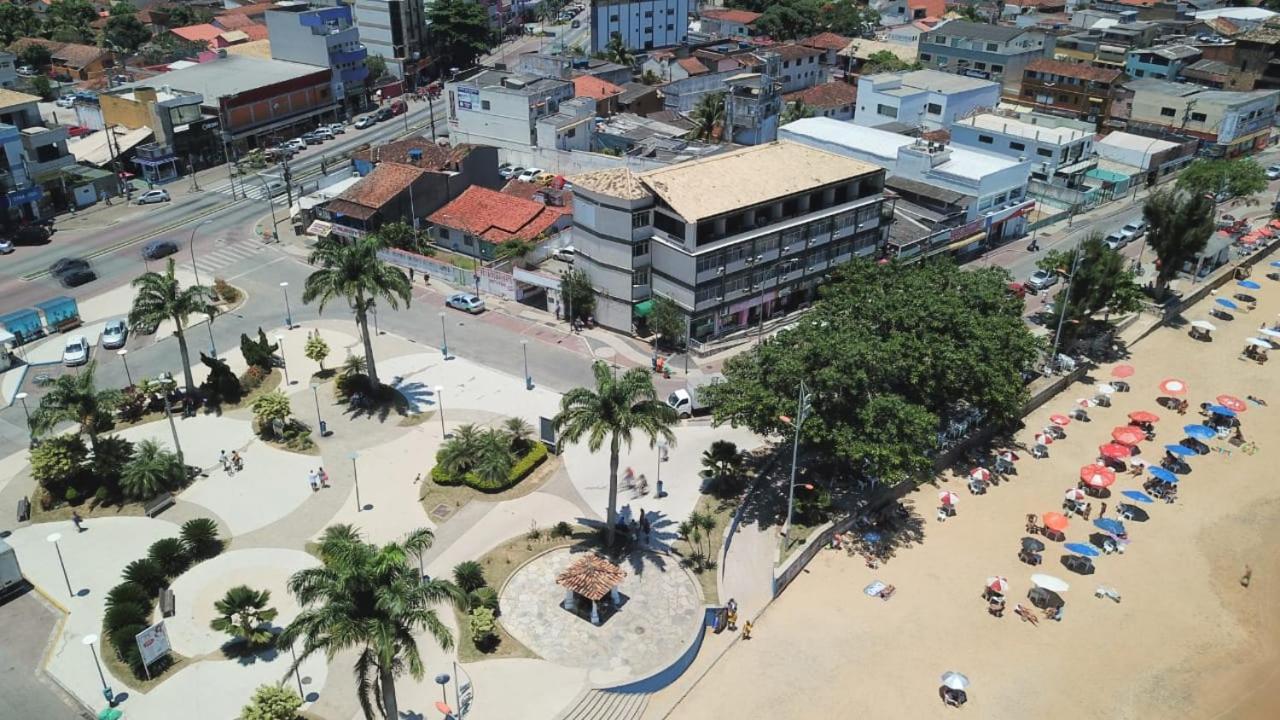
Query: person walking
{"type": "Point", "coordinates": [746, 630]}
{"type": "Point", "coordinates": [237, 462]}
{"type": "Point", "coordinates": [314, 480]}
{"type": "Point", "coordinates": [324, 478]}
{"type": "Point", "coordinates": [77, 521]}
{"type": "Point", "coordinates": [1103, 511]}
{"type": "Point", "coordinates": [226, 462]}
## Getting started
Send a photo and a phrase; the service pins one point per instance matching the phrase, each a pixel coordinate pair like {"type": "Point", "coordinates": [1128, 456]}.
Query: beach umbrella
{"type": "Point", "coordinates": [998, 584]}
{"type": "Point", "coordinates": [1122, 371]}
{"type": "Point", "coordinates": [1044, 439]}
{"type": "Point", "coordinates": [1009, 456]}
{"type": "Point", "coordinates": [1179, 450]}
{"type": "Point", "coordinates": [1098, 476]}
{"type": "Point", "coordinates": [1143, 416]}
{"type": "Point", "coordinates": [1115, 451]}
{"type": "Point", "coordinates": [1138, 496]}
{"type": "Point", "coordinates": [1245, 297]}
{"type": "Point", "coordinates": [871, 537]}
{"type": "Point", "coordinates": [1076, 494]}
{"type": "Point", "coordinates": [1204, 325]}
{"type": "Point", "coordinates": [1226, 303]}
{"type": "Point", "coordinates": [1031, 544]}
{"type": "Point", "coordinates": [946, 497]}
{"type": "Point", "coordinates": [1060, 420]}
{"type": "Point", "coordinates": [1233, 402]}
{"type": "Point", "coordinates": [1163, 475]}
{"type": "Point", "coordinates": [1055, 521]}
{"type": "Point", "coordinates": [1221, 410]}
{"type": "Point", "coordinates": [1128, 435]}
{"type": "Point", "coordinates": [980, 474]}
{"type": "Point", "coordinates": [1050, 583]}
{"type": "Point", "coordinates": [1249, 285]}
{"type": "Point", "coordinates": [1259, 343]}
{"type": "Point", "coordinates": [1200, 432]}
{"type": "Point", "coordinates": [1115, 527]}
{"type": "Point", "coordinates": [1084, 402]}
{"type": "Point", "coordinates": [954, 680]}
{"type": "Point", "coordinates": [1270, 333]}
{"type": "Point", "coordinates": [1106, 388]}
{"type": "Point", "coordinates": [1173, 387]}
{"type": "Point", "coordinates": [1082, 549]}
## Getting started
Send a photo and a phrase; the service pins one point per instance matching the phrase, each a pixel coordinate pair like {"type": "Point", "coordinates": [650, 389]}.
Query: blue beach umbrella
{"type": "Point", "coordinates": [1222, 410]}
{"type": "Point", "coordinates": [1082, 549]}
{"type": "Point", "coordinates": [1163, 475]}
{"type": "Point", "coordinates": [1275, 263]}
{"type": "Point", "coordinates": [1181, 450]}
{"type": "Point", "coordinates": [1249, 285]}
{"type": "Point", "coordinates": [1138, 495]}
{"type": "Point", "coordinates": [1115, 527]}
{"type": "Point", "coordinates": [1199, 432]}
{"type": "Point", "coordinates": [871, 537]}
{"type": "Point", "coordinates": [1227, 304]}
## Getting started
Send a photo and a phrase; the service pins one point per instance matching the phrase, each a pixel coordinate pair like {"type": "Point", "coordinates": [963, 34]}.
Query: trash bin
{"type": "Point", "coordinates": [324, 429]}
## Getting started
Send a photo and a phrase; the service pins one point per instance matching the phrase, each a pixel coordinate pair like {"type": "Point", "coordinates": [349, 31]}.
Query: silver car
{"type": "Point", "coordinates": [76, 351]}
{"type": "Point", "coordinates": [115, 334]}
{"type": "Point", "coordinates": [465, 302]}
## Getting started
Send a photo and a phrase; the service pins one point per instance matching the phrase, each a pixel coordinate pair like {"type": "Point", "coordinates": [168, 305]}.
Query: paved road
{"type": "Point", "coordinates": [27, 691]}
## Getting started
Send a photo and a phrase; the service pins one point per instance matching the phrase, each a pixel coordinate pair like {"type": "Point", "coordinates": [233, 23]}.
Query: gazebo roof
{"type": "Point", "coordinates": [591, 576]}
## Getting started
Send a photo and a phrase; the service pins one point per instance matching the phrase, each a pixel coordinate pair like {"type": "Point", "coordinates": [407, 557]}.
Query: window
{"type": "Point", "coordinates": [640, 249]}
{"type": "Point", "coordinates": [942, 61]}
{"type": "Point", "coordinates": [572, 132]}
{"type": "Point", "coordinates": [1044, 152]}
{"type": "Point", "coordinates": [648, 13]}
{"type": "Point", "coordinates": [979, 66]}
{"type": "Point", "coordinates": [640, 219]}
{"type": "Point", "coordinates": [670, 27]}
{"type": "Point", "coordinates": [992, 47]}
{"type": "Point", "coordinates": [1168, 112]}
{"type": "Point", "coordinates": [985, 139]}
{"type": "Point", "coordinates": [997, 68]}
{"type": "Point", "coordinates": [1139, 73]}
{"type": "Point", "coordinates": [934, 109]}
{"type": "Point", "coordinates": [640, 277]}
{"type": "Point", "coordinates": [887, 111]}
{"type": "Point", "coordinates": [1017, 146]}
{"type": "Point", "coordinates": [484, 104]}
{"type": "Point", "coordinates": [613, 18]}
{"type": "Point", "coordinates": [925, 57]}
{"type": "Point", "coordinates": [1198, 117]}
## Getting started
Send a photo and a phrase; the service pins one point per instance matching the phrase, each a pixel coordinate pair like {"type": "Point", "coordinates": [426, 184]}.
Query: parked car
{"type": "Point", "coordinates": [568, 254]}
{"type": "Point", "coordinates": [298, 144]}
{"type": "Point", "coordinates": [324, 133]}
{"type": "Point", "coordinates": [27, 71]}
{"type": "Point", "coordinates": [1042, 280]}
{"type": "Point", "coordinates": [114, 334]}
{"type": "Point", "coordinates": [504, 170]}
{"type": "Point", "coordinates": [76, 351]}
{"type": "Point", "coordinates": [365, 121]}
{"type": "Point", "coordinates": [30, 234]}
{"type": "Point", "coordinates": [275, 186]}
{"type": "Point", "coordinates": [336, 128]}
{"type": "Point", "coordinates": [157, 195]}
{"type": "Point", "coordinates": [312, 139]}
{"type": "Point", "coordinates": [76, 278]}
{"type": "Point", "coordinates": [545, 178]}
{"type": "Point", "coordinates": [66, 101]}
{"type": "Point", "coordinates": [529, 174]}
{"type": "Point", "coordinates": [1116, 240]}
{"type": "Point", "coordinates": [575, 24]}
{"type": "Point", "coordinates": [66, 265]}
{"type": "Point", "coordinates": [157, 249]}
{"type": "Point", "coordinates": [6, 246]}
{"type": "Point", "coordinates": [1273, 172]}
{"type": "Point", "coordinates": [466, 302]}
{"type": "Point", "coordinates": [1222, 197]}
{"type": "Point", "coordinates": [1134, 229]}
{"type": "Point", "coordinates": [510, 172]}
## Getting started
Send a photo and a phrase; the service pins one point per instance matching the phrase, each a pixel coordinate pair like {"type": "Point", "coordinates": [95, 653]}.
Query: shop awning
{"type": "Point", "coordinates": [967, 241]}
{"type": "Point", "coordinates": [644, 308]}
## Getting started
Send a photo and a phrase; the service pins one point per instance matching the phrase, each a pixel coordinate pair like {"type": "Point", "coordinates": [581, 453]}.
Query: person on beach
{"type": "Point", "coordinates": [1102, 512]}
{"type": "Point", "coordinates": [226, 462]}
{"type": "Point", "coordinates": [1247, 577]}
{"type": "Point", "coordinates": [237, 462]}
{"type": "Point", "coordinates": [746, 630]}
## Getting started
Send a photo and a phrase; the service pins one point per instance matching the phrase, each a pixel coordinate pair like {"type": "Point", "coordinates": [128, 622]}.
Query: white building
{"type": "Point", "coordinates": [921, 98]}
{"type": "Point", "coordinates": [396, 31]}
{"type": "Point", "coordinates": [1060, 149]}
{"type": "Point", "coordinates": [995, 187]}
{"type": "Point", "coordinates": [492, 107]}
{"type": "Point", "coordinates": [642, 24]}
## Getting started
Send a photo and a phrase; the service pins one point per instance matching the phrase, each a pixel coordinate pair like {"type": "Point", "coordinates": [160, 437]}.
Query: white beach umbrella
{"type": "Point", "coordinates": [954, 680]}
{"type": "Point", "coordinates": [1204, 325]}
{"type": "Point", "coordinates": [1049, 582]}
{"type": "Point", "coordinates": [1259, 343]}
{"type": "Point", "coordinates": [1106, 388]}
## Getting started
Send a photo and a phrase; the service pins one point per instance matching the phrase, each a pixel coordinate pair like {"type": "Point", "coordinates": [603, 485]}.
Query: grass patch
{"type": "Point", "coordinates": [269, 383]}
{"type": "Point", "coordinates": [87, 510]}
{"type": "Point", "coordinates": [124, 675]}
{"type": "Point", "coordinates": [722, 511]}
{"type": "Point", "coordinates": [432, 494]}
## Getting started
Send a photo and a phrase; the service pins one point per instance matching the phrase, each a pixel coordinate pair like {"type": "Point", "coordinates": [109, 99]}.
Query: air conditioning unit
{"type": "Point", "coordinates": [720, 270]}
{"type": "Point", "coordinates": [759, 258]}
{"type": "Point", "coordinates": [786, 249]}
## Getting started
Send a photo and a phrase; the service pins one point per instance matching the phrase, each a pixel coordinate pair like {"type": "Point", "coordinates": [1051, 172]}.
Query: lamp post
{"type": "Point", "coordinates": [440, 405]}
{"type": "Point", "coordinates": [124, 357]}
{"type": "Point", "coordinates": [355, 475]}
{"type": "Point", "coordinates": [662, 457]}
{"type": "Point", "coordinates": [443, 680]}
{"type": "Point", "coordinates": [191, 247]}
{"type": "Point", "coordinates": [297, 675]}
{"type": "Point", "coordinates": [288, 312]}
{"type": "Point", "coordinates": [173, 427]}
{"type": "Point", "coordinates": [284, 364]}
{"type": "Point", "coordinates": [54, 538]}
{"type": "Point", "coordinates": [22, 397]}
{"type": "Point", "coordinates": [528, 379]}
{"type": "Point", "coordinates": [444, 334]}
{"type": "Point", "coordinates": [315, 392]}
{"type": "Point", "coordinates": [89, 641]}
{"type": "Point", "coordinates": [803, 407]}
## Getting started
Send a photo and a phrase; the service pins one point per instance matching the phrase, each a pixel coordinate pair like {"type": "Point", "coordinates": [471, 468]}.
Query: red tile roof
{"type": "Point", "coordinates": [693, 66]}
{"type": "Point", "coordinates": [594, 87]}
{"type": "Point", "coordinates": [746, 17]}
{"type": "Point", "coordinates": [379, 187]}
{"type": "Point", "coordinates": [196, 33]}
{"type": "Point", "coordinates": [255, 32]}
{"type": "Point", "coordinates": [826, 95]}
{"type": "Point", "coordinates": [496, 217]}
{"type": "Point", "coordinates": [233, 22]}
{"type": "Point", "coordinates": [257, 10]}
{"type": "Point", "coordinates": [791, 51]}
{"type": "Point", "coordinates": [432, 157]}
{"type": "Point", "coordinates": [1041, 4]}
{"type": "Point", "coordinates": [1074, 70]}
{"type": "Point", "coordinates": [932, 8]}
{"type": "Point", "coordinates": [826, 41]}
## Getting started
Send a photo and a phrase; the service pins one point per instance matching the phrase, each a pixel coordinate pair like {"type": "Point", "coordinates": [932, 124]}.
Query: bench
{"type": "Point", "coordinates": [167, 602]}
{"type": "Point", "coordinates": [158, 504]}
{"type": "Point", "coordinates": [68, 323]}
{"type": "Point", "coordinates": [24, 510]}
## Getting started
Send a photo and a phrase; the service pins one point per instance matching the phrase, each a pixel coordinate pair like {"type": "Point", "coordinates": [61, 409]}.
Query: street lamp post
{"type": "Point", "coordinates": [89, 641]}
{"type": "Point", "coordinates": [173, 427]}
{"type": "Point", "coordinates": [288, 312]}
{"type": "Point", "coordinates": [440, 406]}
{"type": "Point", "coordinates": [297, 675]}
{"type": "Point", "coordinates": [315, 392]}
{"type": "Point", "coordinates": [443, 681]}
{"type": "Point", "coordinates": [22, 397]}
{"type": "Point", "coordinates": [528, 379]}
{"type": "Point", "coordinates": [284, 364]}
{"type": "Point", "coordinates": [355, 475]}
{"type": "Point", "coordinates": [124, 357]}
{"type": "Point", "coordinates": [662, 457]}
{"type": "Point", "coordinates": [54, 538]}
{"type": "Point", "coordinates": [803, 407]}
{"type": "Point", "coordinates": [444, 334]}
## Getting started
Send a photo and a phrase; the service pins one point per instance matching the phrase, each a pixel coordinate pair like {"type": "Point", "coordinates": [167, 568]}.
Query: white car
{"type": "Point", "coordinates": [66, 101]}
{"type": "Point", "coordinates": [76, 351]}
{"type": "Point", "coordinates": [336, 128]}
{"type": "Point", "coordinates": [153, 196]}
{"type": "Point", "coordinates": [114, 334]}
{"type": "Point", "coordinates": [323, 133]}
{"type": "Point", "coordinates": [298, 144]}
{"type": "Point", "coordinates": [1117, 240]}
{"type": "Point", "coordinates": [466, 302]}
{"type": "Point", "coordinates": [6, 246]}
{"type": "Point", "coordinates": [1042, 280]}
{"type": "Point", "coordinates": [1134, 230]}
{"type": "Point", "coordinates": [567, 254]}
{"type": "Point", "coordinates": [529, 174]}
{"type": "Point", "coordinates": [1273, 172]}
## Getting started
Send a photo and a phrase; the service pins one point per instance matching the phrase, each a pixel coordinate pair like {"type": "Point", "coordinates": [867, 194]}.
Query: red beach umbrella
{"type": "Point", "coordinates": [1115, 451]}
{"type": "Point", "coordinates": [1060, 420]}
{"type": "Point", "coordinates": [1233, 402]}
{"type": "Point", "coordinates": [1142, 416]}
{"type": "Point", "coordinates": [1055, 521]}
{"type": "Point", "coordinates": [1044, 439]}
{"type": "Point", "coordinates": [1097, 476]}
{"type": "Point", "coordinates": [980, 474]}
{"type": "Point", "coordinates": [998, 584]}
{"type": "Point", "coordinates": [1128, 435]}
{"type": "Point", "coordinates": [1173, 387]}
{"type": "Point", "coordinates": [1122, 371]}
{"type": "Point", "coordinates": [948, 498]}
{"type": "Point", "coordinates": [1075, 494]}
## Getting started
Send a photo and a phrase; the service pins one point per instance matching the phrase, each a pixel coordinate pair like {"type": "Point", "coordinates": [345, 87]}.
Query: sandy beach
{"type": "Point", "coordinates": [1187, 641]}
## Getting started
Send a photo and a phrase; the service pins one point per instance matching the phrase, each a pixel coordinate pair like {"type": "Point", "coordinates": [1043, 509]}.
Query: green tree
{"type": "Point", "coordinates": [883, 61]}
{"type": "Point", "coordinates": [708, 117]}
{"type": "Point", "coordinates": [652, 78]}
{"type": "Point", "coordinates": [788, 19]}
{"type": "Point", "coordinates": [377, 67]}
{"type": "Point", "coordinates": [126, 32]}
{"type": "Point", "coordinates": [969, 11]}
{"type": "Point", "coordinates": [519, 434]}
{"type": "Point", "coordinates": [170, 555]}
{"type": "Point", "coordinates": [887, 354]}
{"type": "Point", "coordinates": [493, 463]}
{"type": "Point", "coordinates": [272, 702]}
{"type": "Point", "coordinates": [147, 574]}
{"type": "Point", "coordinates": [1241, 177]}
{"type": "Point", "coordinates": [182, 15]}
{"type": "Point", "coordinates": [41, 86]}
{"type": "Point", "coordinates": [269, 409]}
{"type": "Point", "coordinates": [1178, 227]}
{"type": "Point", "coordinates": [168, 47]}
{"type": "Point", "coordinates": [258, 353]}
{"type": "Point", "coordinates": [122, 8]}
{"type": "Point", "coordinates": [616, 51]}
{"type": "Point", "coordinates": [457, 455]}
{"type": "Point", "coordinates": [402, 236]}
{"type": "Point", "coordinates": [244, 614]}
{"type": "Point", "coordinates": [18, 21]}
{"type": "Point", "coordinates": [578, 295]}
{"type": "Point", "coordinates": [722, 465]}
{"type": "Point", "coordinates": [796, 111]}
{"type": "Point", "coordinates": [847, 17]}
{"type": "Point", "coordinates": [76, 398]}
{"type": "Point", "coordinates": [370, 598]}
{"type": "Point", "coordinates": [34, 54]}
{"type": "Point", "coordinates": [316, 349]}
{"type": "Point", "coordinates": [667, 321]}
{"type": "Point", "coordinates": [151, 471]}
{"type": "Point", "coordinates": [200, 536]}
{"type": "Point", "coordinates": [459, 31]}
{"type": "Point", "coordinates": [160, 297]}
{"type": "Point", "coordinates": [469, 576]}
{"type": "Point", "coordinates": [353, 271]}
{"type": "Point", "coordinates": [58, 460]}
{"type": "Point", "coordinates": [516, 249]}
{"type": "Point", "coordinates": [616, 409]}
{"type": "Point", "coordinates": [1100, 282]}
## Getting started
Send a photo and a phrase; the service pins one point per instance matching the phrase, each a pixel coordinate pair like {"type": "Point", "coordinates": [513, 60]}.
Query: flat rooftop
{"type": "Point", "coordinates": [228, 76]}
{"type": "Point", "coordinates": [513, 82]}
{"type": "Point", "coordinates": [934, 81]}
{"type": "Point", "coordinates": [722, 183]}
{"type": "Point", "coordinates": [1023, 129]}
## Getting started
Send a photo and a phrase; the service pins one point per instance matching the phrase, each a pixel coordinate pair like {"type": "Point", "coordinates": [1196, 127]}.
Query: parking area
{"type": "Point", "coordinates": [28, 623]}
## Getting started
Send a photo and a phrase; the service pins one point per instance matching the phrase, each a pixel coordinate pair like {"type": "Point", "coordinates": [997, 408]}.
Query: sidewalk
{"type": "Point", "coordinates": [102, 214]}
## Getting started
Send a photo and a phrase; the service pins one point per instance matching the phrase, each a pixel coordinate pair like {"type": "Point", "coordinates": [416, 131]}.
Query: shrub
{"type": "Point", "coordinates": [133, 404]}
{"type": "Point", "coordinates": [147, 574]}
{"type": "Point", "coordinates": [527, 464]}
{"type": "Point", "coordinates": [72, 496]}
{"type": "Point", "coordinates": [485, 597]}
{"type": "Point", "coordinates": [101, 496]}
{"type": "Point", "coordinates": [126, 647]}
{"type": "Point", "coordinates": [483, 626]}
{"type": "Point", "coordinates": [127, 592]}
{"type": "Point", "coordinates": [225, 290]}
{"type": "Point", "coordinates": [58, 460]}
{"type": "Point", "coordinates": [200, 537]}
{"type": "Point", "coordinates": [253, 378]}
{"type": "Point", "coordinates": [562, 529]}
{"type": "Point", "coordinates": [269, 409]}
{"type": "Point", "coordinates": [297, 437]}
{"type": "Point", "coordinates": [519, 471]}
{"type": "Point", "coordinates": [441, 476]}
{"type": "Point", "coordinates": [519, 434]}
{"type": "Point", "coordinates": [170, 555]}
{"type": "Point", "coordinates": [316, 348]}
{"type": "Point", "coordinates": [244, 615]}
{"type": "Point", "coordinates": [258, 353]}
{"type": "Point", "coordinates": [124, 614]}
{"type": "Point", "coordinates": [469, 575]}
{"type": "Point", "coordinates": [151, 471]}
{"type": "Point", "coordinates": [222, 385]}
{"type": "Point", "coordinates": [272, 702]}
{"type": "Point", "coordinates": [109, 458]}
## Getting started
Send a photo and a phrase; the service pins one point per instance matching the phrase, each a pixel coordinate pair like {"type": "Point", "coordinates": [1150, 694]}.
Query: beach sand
{"type": "Point", "coordinates": [1187, 640]}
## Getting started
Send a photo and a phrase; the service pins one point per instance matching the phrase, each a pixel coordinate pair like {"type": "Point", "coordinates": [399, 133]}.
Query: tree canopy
{"type": "Point", "coordinates": [1101, 283]}
{"type": "Point", "coordinates": [1241, 177]}
{"type": "Point", "coordinates": [127, 32]}
{"type": "Point", "coordinates": [883, 61]}
{"type": "Point", "coordinates": [1178, 226]}
{"type": "Point", "coordinates": [791, 19]}
{"type": "Point", "coordinates": [459, 31]}
{"type": "Point", "coordinates": [17, 21]}
{"type": "Point", "coordinates": [888, 354]}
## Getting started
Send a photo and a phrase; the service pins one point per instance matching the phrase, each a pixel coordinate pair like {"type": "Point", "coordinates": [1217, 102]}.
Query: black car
{"type": "Point", "coordinates": [157, 249]}
{"type": "Point", "coordinates": [383, 115]}
{"type": "Point", "coordinates": [66, 265]}
{"type": "Point", "coordinates": [77, 277]}
{"type": "Point", "coordinates": [30, 235]}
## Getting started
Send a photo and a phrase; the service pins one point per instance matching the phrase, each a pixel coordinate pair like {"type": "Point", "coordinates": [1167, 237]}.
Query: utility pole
{"type": "Point", "coordinates": [231, 168]}
{"type": "Point", "coordinates": [288, 176]}
{"type": "Point", "coordinates": [803, 406]}
{"type": "Point", "coordinates": [191, 165]}
{"type": "Point", "coordinates": [1066, 301]}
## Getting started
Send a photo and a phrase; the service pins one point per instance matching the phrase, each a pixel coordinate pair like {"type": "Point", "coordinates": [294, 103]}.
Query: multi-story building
{"type": "Point", "coordinates": [800, 67]}
{"type": "Point", "coordinates": [183, 135]}
{"type": "Point", "coordinates": [1072, 89]}
{"type": "Point", "coordinates": [1226, 123]}
{"type": "Point", "coordinates": [494, 107]}
{"type": "Point", "coordinates": [43, 185]}
{"type": "Point", "coordinates": [1060, 149]}
{"type": "Point", "coordinates": [897, 12]}
{"type": "Point", "coordinates": [729, 23]}
{"type": "Point", "coordinates": [324, 37]}
{"type": "Point", "coordinates": [991, 189]}
{"type": "Point", "coordinates": [640, 24]}
{"type": "Point", "coordinates": [1165, 62]}
{"type": "Point", "coordinates": [834, 99]}
{"type": "Point", "coordinates": [753, 103]}
{"type": "Point", "coordinates": [396, 31]}
{"type": "Point", "coordinates": [991, 52]}
{"type": "Point", "coordinates": [921, 98]}
{"type": "Point", "coordinates": [19, 197]}
{"type": "Point", "coordinates": [8, 69]}
{"type": "Point", "coordinates": [1257, 58]}
{"type": "Point", "coordinates": [733, 238]}
{"type": "Point", "coordinates": [1106, 47]}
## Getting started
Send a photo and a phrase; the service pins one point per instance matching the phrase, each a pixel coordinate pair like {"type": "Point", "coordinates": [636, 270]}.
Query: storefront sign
{"type": "Point", "coordinates": [349, 233]}
{"type": "Point", "coordinates": [24, 196]}
{"type": "Point", "coordinates": [967, 229]}
{"type": "Point", "coordinates": [468, 97]}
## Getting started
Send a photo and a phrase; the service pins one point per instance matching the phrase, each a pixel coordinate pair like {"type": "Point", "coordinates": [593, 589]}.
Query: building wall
{"type": "Point", "coordinates": [277, 105]}
{"type": "Point", "coordinates": [801, 73]}
{"type": "Point", "coordinates": [8, 69]}
{"type": "Point", "coordinates": [1045, 156]}
{"type": "Point", "coordinates": [975, 58]}
{"type": "Point", "coordinates": [918, 108]}
{"type": "Point", "coordinates": [132, 114]}
{"type": "Point", "coordinates": [496, 116]}
{"type": "Point", "coordinates": [642, 24]}
{"type": "Point", "coordinates": [606, 247]}
{"type": "Point", "coordinates": [394, 30]}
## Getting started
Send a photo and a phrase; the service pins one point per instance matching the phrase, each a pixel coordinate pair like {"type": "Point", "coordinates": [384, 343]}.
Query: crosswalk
{"type": "Point", "coordinates": [223, 254]}
{"type": "Point", "coordinates": [251, 188]}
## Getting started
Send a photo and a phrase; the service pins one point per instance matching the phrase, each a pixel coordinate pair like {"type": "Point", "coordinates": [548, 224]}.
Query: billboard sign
{"type": "Point", "coordinates": [153, 643]}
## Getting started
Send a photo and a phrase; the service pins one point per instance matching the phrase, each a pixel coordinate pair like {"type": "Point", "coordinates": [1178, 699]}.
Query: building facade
{"type": "Point", "coordinates": [640, 24]}
{"type": "Point", "coordinates": [921, 98]}
{"type": "Point", "coordinates": [1060, 150]}
{"type": "Point", "coordinates": [493, 107]}
{"type": "Point", "coordinates": [1072, 89]}
{"type": "Point", "coordinates": [732, 239]}
{"type": "Point", "coordinates": [324, 37]}
{"type": "Point", "coordinates": [396, 31]}
{"type": "Point", "coordinates": [1161, 63]}
{"type": "Point", "coordinates": [1227, 124]}
{"type": "Point", "coordinates": [978, 50]}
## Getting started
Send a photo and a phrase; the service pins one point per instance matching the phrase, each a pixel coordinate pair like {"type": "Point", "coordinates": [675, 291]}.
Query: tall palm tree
{"type": "Point", "coordinates": [708, 115]}
{"type": "Point", "coordinates": [76, 398]}
{"type": "Point", "coordinates": [614, 410]}
{"type": "Point", "coordinates": [160, 297]}
{"type": "Point", "coordinates": [796, 111]}
{"type": "Point", "coordinates": [371, 598]}
{"type": "Point", "coordinates": [618, 52]}
{"type": "Point", "coordinates": [353, 270]}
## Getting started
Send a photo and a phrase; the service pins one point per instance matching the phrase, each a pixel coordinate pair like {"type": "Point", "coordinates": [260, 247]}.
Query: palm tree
{"type": "Point", "coordinates": [369, 597]}
{"type": "Point", "coordinates": [796, 111]}
{"type": "Point", "coordinates": [519, 432]}
{"type": "Point", "coordinates": [353, 270]}
{"type": "Point", "coordinates": [618, 52]}
{"type": "Point", "coordinates": [458, 454]}
{"type": "Point", "coordinates": [618, 407]}
{"type": "Point", "coordinates": [243, 614]}
{"type": "Point", "coordinates": [75, 398]}
{"type": "Point", "coordinates": [493, 462]}
{"type": "Point", "coordinates": [151, 470]}
{"type": "Point", "coordinates": [708, 115]}
{"type": "Point", "coordinates": [161, 298]}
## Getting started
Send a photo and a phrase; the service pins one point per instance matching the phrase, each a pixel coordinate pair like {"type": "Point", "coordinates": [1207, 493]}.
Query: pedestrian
{"type": "Point", "coordinates": [324, 478]}
{"type": "Point", "coordinates": [1247, 577]}
{"type": "Point", "coordinates": [77, 521]}
{"type": "Point", "coordinates": [226, 463]}
{"type": "Point", "coordinates": [642, 484]}
{"type": "Point", "coordinates": [314, 480]}
{"type": "Point", "coordinates": [1103, 511]}
{"type": "Point", "coordinates": [417, 479]}
{"type": "Point", "coordinates": [410, 275]}
{"type": "Point", "coordinates": [746, 630]}
{"type": "Point", "coordinates": [557, 312]}
{"type": "Point", "coordinates": [237, 462]}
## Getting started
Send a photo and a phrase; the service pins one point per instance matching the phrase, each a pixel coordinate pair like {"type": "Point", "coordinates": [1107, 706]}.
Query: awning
{"type": "Point", "coordinates": [319, 228]}
{"type": "Point", "coordinates": [644, 308]}
{"type": "Point", "coordinates": [92, 148]}
{"type": "Point", "coordinates": [967, 241]}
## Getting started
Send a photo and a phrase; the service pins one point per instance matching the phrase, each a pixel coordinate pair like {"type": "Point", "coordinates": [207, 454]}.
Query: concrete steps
{"type": "Point", "coordinates": [606, 705]}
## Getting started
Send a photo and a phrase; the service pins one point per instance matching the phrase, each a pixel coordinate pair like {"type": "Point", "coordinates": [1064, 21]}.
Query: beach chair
{"type": "Point", "coordinates": [1039, 451]}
